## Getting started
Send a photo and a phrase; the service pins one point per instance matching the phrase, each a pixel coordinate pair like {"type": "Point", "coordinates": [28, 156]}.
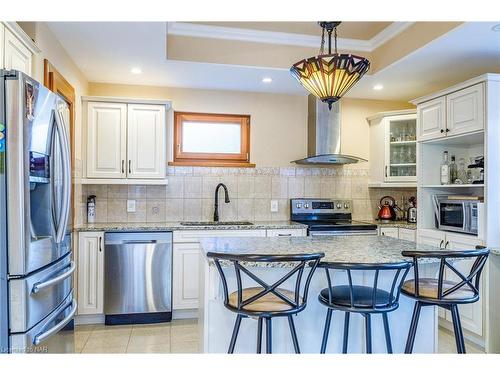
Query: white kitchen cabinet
{"type": "Point", "coordinates": [432, 119]}
{"type": "Point", "coordinates": [407, 234]}
{"type": "Point", "coordinates": [286, 232]}
{"type": "Point", "coordinates": [389, 232]}
{"type": "Point", "coordinates": [90, 273]}
{"type": "Point", "coordinates": [185, 265]}
{"type": "Point", "coordinates": [2, 47]}
{"type": "Point", "coordinates": [431, 237]}
{"type": "Point", "coordinates": [15, 54]}
{"type": "Point", "coordinates": [465, 110]}
{"type": "Point", "coordinates": [146, 149]}
{"type": "Point", "coordinates": [106, 140]}
{"type": "Point", "coordinates": [126, 140]}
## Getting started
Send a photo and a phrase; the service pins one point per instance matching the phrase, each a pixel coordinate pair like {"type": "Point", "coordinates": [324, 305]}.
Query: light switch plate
{"type": "Point", "coordinates": [130, 205]}
{"type": "Point", "coordinates": [274, 206]}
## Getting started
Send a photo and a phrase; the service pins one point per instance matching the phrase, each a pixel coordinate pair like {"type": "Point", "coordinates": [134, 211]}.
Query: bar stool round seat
{"type": "Point", "coordinates": [266, 300]}
{"type": "Point", "coordinates": [362, 299]}
{"type": "Point", "coordinates": [444, 293]}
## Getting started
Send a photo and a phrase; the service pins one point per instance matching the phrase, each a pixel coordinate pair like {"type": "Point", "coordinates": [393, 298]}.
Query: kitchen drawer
{"type": "Point", "coordinates": [407, 234]}
{"type": "Point", "coordinates": [286, 232]}
{"type": "Point", "coordinates": [196, 235]}
{"type": "Point", "coordinates": [389, 232]}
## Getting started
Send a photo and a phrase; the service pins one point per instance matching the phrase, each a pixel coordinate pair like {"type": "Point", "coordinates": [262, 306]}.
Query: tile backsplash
{"type": "Point", "coordinates": [189, 194]}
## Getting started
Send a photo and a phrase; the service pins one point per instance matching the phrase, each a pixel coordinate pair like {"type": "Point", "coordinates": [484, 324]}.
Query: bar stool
{"type": "Point", "coordinates": [444, 293]}
{"type": "Point", "coordinates": [364, 300]}
{"type": "Point", "coordinates": [265, 301]}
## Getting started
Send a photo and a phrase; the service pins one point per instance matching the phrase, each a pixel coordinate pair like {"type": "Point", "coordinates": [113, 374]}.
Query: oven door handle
{"type": "Point", "coordinates": [38, 287]}
{"type": "Point", "coordinates": [41, 337]}
{"type": "Point", "coordinates": [344, 233]}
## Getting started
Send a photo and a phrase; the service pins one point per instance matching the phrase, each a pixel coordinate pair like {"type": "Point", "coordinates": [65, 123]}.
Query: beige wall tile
{"type": "Point", "coordinates": [312, 187]}
{"type": "Point", "coordinates": [174, 209]}
{"type": "Point", "coordinates": [117, 210]}
{"type": "Point", "coordinates": [359, 186]}
{"type": "Point", "coordinates": [246, 209]}
{"type": "Point", "coordinates": [228, 211]}
{"type": "Point", "coordinates": [156, 192]}
{"type": "Point", "coordinates": [117, 191]}
{"type": "Point", "coordinates": [262, 187]}
{"type": "Point", "coordinates": [296, 187]}
{"type": "Point", "coordinates": [137, 191]}
{"type": "Point", "coordinates": [361, 209]}
{"type": "Point", "coordinates": [139, 216]}
{"type": "Point", "coordinates": [327, 187]}
{"type": "Point", "coordinates": [175, 187]}
{"type": "Point", "coordinates": [156, 210]}
{"type": "Point", "coordinates": [262, 208]}
{"type": "Point", "coordinates": [192, 209]}
{"type": "Point", "coordinates": [100, 191]}
{"type": "Point", "coordinates": [210, 183]}
{"type": "Point", "coordinates": [192, 187]}
{"type": "Point", "coordinates": [279, 187]}
{"type": "Point", "coordinates": [246, 187]}
{"type": "Point", "coordinates": [342, 187]}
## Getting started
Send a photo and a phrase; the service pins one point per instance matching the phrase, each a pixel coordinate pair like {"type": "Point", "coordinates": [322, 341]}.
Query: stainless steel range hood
{"type": "Point", "coordinates": [323, 136]}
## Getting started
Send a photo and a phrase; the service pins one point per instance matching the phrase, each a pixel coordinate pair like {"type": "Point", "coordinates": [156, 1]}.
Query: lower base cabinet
{"type": "Point", "coordinates": [90, 273]}
{"type": "Point", "coordinates": [401, 233]}
{"type": "Point", "coordinates": [471, 315]}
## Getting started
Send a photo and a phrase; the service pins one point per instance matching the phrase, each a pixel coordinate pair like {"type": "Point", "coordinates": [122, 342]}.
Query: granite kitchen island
{"type": "Point", "coordinates": [216, 322]}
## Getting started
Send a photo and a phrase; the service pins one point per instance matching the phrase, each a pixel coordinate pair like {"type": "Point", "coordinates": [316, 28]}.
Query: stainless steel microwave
{"type": "Point", "coordinates": [457, 215]}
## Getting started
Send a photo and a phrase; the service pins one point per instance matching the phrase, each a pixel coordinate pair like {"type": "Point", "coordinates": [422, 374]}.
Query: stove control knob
{"type": "Point", "coordinates": [298, 205]}
{"type": "Point", "coordinates": [306, 205]}
{"type": "Point", "coordinates": [339, 206]}
{"type": "Point", "coordinates": [346, 206]}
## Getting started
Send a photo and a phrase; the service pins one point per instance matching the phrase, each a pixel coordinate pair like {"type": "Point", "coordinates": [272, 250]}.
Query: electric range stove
{"type": "Point", "coordinates": [326, 217]}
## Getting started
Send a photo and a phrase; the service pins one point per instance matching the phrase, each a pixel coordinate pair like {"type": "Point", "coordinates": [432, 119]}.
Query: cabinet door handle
{"type": "Point", "coordinates": [442, 130]}
{"type": "Point", "coordinates": [100, 244]}
{"type": "Point", "coordinates": [129, 166]}
{"type": "Point", "coordinates": [386, 171]}
{"type": "Point", "coordinates": [123, 166]}
{"type": "Point", "coordinates": [441, 244]}
{"type": "Point", "coordinates": [284, 234]}
{"type": "Point", "coordinates": [447, 130]}
{"type": "Point", "coordinates": [446, 244]}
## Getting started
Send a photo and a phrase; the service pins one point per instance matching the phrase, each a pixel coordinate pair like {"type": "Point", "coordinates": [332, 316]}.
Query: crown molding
{"type": "Point", "coordinates": [275, 37]}
{"type": "Point", "coordinates": [20, 34]}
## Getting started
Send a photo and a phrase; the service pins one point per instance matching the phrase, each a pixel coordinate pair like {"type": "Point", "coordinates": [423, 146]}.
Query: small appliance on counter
{"type": "Point", "coordinates": [387, 209]}
{"type": "Point", "coordinates": [411, 213]}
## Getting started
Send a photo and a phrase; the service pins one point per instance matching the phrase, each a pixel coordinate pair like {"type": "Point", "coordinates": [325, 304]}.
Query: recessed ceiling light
{"type": "Point", "coordinates": [267, 79]}
{"type": "Point", "coordinates": [136, 71]}
{"type": "Point", "coordinates": [496, 27]}
{"type": "Point", "coordinates": [378, 87]}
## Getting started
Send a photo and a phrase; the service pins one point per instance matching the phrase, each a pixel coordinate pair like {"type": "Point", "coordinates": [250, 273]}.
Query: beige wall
{"type": "Point", "coordinates": [278, 121]}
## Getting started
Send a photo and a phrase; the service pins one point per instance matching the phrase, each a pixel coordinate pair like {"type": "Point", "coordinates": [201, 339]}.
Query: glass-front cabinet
{"type": "Point", "coordinates": [401, 148]}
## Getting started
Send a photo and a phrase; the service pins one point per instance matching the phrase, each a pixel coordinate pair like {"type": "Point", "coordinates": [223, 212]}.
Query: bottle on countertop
{"type": "Point", "coordinates": [453, 170]}
{"type": "Point", "coordinates": [91, 208]}
{"type": "Point", "coordinates": [445, 170]}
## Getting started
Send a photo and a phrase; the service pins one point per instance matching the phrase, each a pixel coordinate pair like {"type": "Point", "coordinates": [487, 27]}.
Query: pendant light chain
{"type": "Point", "coordinates": [335, 36]}
{"type": "Point", "coordinates": [322, 47]}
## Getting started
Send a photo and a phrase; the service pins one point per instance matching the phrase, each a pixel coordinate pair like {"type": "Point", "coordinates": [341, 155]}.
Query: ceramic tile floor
{"type": "Point", "coordinates": [179, 336]}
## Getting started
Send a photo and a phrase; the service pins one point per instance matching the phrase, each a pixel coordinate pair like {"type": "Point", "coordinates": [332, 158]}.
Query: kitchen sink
{"type": "Point", "coordinates": [215, 223]}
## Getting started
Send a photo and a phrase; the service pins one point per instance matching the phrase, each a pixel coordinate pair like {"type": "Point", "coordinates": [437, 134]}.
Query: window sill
{"type": "Point", "coordinates": [211, 164]}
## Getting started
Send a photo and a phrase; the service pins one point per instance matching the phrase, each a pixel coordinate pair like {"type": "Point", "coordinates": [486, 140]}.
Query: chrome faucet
{"type": "Point", "coordinates": [216, 205]}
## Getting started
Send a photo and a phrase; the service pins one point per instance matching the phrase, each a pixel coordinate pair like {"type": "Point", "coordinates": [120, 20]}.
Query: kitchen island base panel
{"type": "Point", "coordinates": [216, 322]}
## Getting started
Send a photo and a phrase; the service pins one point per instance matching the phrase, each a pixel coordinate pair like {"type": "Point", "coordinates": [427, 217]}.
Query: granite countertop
{"type": "Point", "coordinates": [495, 250]}
{"type": "Point", "coordinates": [345, 249]}
{"type": "Point", "coordinates": [395, 224]}
{"type": "Point", "coordinates": [176, 225]}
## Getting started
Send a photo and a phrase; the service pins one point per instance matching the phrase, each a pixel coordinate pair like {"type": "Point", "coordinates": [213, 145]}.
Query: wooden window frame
{"type": "Point", "coordinates": [212, 159]}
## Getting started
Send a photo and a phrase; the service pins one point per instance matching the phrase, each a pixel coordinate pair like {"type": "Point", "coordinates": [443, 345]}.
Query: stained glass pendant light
{"type": "Point", "coordinates": [329, 76]}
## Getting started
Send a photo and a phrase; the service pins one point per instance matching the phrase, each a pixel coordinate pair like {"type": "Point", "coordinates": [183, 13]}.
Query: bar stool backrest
{"type": "Point", "coordinates": [469, 280]}
{"type": "Point", "coordinates": [225, 262]}
{"type": "Point", "coordinates": [382, 296]}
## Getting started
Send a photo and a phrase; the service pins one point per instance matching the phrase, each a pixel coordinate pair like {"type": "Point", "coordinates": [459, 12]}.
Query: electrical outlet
{"type": "Point", "coordinates": [274, 206]}
{"type": "Point", "coordinates": [130, 205]}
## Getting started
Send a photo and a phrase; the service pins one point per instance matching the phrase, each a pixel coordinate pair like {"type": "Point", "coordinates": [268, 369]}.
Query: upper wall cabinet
{"type": "Point", "coordinates": [457, 113]}
{"type": "Point", "coordinates": [126, 141]}
{"type": "Point", "coordinates": [16, 48]}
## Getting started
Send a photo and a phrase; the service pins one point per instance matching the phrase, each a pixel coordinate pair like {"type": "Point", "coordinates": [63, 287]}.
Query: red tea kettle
{"type": "Point", "coordinates": [386, 208]}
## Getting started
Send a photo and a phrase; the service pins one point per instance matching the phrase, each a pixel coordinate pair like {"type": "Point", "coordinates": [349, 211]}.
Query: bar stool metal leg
{"type": "Point", "coordinates": [326, 330]}
{"type": "Point", "coordinates": [269, 344]}
{"type": "Point", "coordinates": [368, 333]}
{"type": "Point", "coordinates": [346, 332]}
{"type": "Point", "coordinates": [457, 328]}
{"type": "Point", "coordinates": [294, 334]}
{"type": "Point", "coordinates": [235, 333]}
{"type": "Point", "coordinates": [259, 336]}
{"type": "Point", "coordinates": [413, 328]}
{"type": "Point", "coordinates": [387, 333]}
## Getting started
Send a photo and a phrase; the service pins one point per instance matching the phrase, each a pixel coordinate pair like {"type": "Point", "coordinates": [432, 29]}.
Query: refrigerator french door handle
{"type": "Point", "coordinates": [65, 208]}
{"type": "Point", "coordinates": [37, 287]}
{"type": "Point", "coordinates": [41, 337]}
{"type": "Point", "coordinates": [55, 214]}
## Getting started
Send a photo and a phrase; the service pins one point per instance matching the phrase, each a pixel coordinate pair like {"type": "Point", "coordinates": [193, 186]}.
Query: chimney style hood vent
{"type": "Point", "coordinates": [323, 136]}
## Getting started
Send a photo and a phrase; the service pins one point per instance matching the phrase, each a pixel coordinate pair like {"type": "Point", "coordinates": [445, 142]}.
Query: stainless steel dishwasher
{"type": "Point", "coordinates": [138, 277]}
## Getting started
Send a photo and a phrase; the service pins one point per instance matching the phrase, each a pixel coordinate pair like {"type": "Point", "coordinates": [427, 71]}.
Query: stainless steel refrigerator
{"type": "Point", "coordinates": [36, 266]}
